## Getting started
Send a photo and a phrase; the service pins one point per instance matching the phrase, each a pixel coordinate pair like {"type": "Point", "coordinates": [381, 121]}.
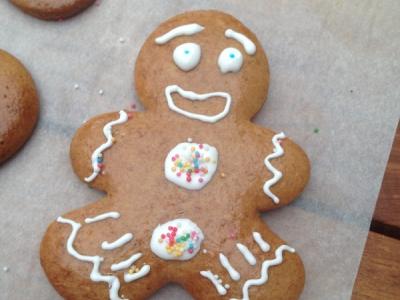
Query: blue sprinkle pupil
{"type": "Point", "coordinates": [187, 51]}
{"type": "Point", "coordinates": [232, 55]}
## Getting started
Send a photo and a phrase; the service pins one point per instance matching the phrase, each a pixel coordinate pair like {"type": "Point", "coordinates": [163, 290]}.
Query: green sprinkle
{"type": "Point", "coordinates": [316, 130]}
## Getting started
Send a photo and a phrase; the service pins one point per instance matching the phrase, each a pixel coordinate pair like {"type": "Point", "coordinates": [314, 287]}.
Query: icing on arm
{"type": "Point", "coordinates": [97, 156]}
{"type": "Point", "coordinates": [277, 175]}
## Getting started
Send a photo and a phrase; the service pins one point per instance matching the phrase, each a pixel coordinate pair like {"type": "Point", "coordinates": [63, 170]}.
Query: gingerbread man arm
{"type": "Point", "coordinates": [95, 138]}
{"type": "Point", "coordinates": [286, 170]}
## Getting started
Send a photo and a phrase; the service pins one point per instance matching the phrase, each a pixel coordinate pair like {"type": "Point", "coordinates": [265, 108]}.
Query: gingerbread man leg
{"type": "Point", "coordinates": [92, 247]}
{"type": "Point", "coordinates": [247, 266]}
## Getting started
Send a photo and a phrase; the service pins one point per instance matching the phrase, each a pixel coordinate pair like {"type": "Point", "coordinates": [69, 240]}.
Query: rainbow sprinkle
{"type": "Point", "coordinates": [176, 243]}
{"type": "Point", "coordinates": [195, 163]}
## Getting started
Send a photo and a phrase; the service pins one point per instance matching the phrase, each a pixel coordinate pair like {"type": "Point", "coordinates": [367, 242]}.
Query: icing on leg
{"type": "Point", "coordinates": [95, 275]}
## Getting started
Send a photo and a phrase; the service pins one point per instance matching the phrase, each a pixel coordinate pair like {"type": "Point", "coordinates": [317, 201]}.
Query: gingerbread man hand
{"type": "Point", "coordinates": [186, 180]}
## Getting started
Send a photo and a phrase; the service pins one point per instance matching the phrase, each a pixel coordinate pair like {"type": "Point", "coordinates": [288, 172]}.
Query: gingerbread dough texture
{"type": "Point", "coordinates": [185, 180]}
{"type": "Point", "coordinates": [52, 9]}
{"type": "Point", "coordinates": [19, 105]}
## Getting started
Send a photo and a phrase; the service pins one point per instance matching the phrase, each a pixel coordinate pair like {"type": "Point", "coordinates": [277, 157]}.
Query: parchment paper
{"type": "Point", "coordinates": [334, 67]}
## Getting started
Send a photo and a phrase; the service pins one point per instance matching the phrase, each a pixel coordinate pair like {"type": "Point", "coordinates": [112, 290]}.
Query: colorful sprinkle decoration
{"type": "Point", "coordinates": [178, 239]}
{"type": "Point", "coordinates": [191, 165]}
{"type": "Point", "coordinates": [176, 244]}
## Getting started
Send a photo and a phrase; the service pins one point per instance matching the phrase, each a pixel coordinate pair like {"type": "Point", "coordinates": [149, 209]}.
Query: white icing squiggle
{"type": "Point", "coordinates": [126, 263]}
{"type": "Point", "coordinates": [112, 215]}
{"type": "Point", "coordinates": [248, 45]}
{"type": "Point", "coordinates": [188, 29]}
{"type": "Point", "coordinates": [277, 152]}
{"type": "Point", "coordinates": [95, 275]}
{"type": "Point", "coordinates": [197, 97]}
{"type": "Point", "coordinates": [227, 265]}
{"type": "Point", "coordinates": [246, 254]}
{"type": "Point", "coordinates": [107, 131]}
{"type": "Point", "coordinates": [134, 276]}
{"type": "Point", "coordinates": [118, 243]}
{"type": "Point", "coordinates": [264, 270]}
{"type": "Point", "coordinates": [260, 241]}
{"type": "Point", "coordinates": [209, 275]}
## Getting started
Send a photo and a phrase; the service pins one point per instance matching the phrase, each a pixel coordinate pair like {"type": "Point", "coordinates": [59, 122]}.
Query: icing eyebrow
{"type": "Point", "coordinates": [248, 45]}
{"type": "Point", "coordinates": [188, 29]}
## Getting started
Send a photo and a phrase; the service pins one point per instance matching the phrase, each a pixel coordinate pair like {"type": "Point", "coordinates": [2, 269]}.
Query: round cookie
{"type": "Point", "coordinates": [52, 9]}
{"type": "Point", "coordinates": [185, 180]}
{"type": "Point", "coordinates": [19, 105]}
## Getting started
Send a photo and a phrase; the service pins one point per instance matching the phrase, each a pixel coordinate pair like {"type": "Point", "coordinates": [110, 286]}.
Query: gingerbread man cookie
{"type": "Point", "coordinates": [186, 180]}
{"type": "Point", "coordinates": [19, 105]}
{"type": "Point", "coordinates": [52, 9]}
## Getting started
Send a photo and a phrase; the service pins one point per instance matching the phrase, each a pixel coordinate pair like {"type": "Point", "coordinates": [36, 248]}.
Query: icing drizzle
{"type": "Point", "coordinates": [95, 275]}
{"type": "Point", "coordinates": [112, 215]}
{"type": "Point", "coordinates": [196, 97]}
{"type": "Point", "coordinates": [227, 265]}
{"type": "Point", "coordinates": [246, 254]}
{"type": "Point", "coordinates": [277, 152]}
{"type": "Point", "coordinates": [118, 243]}
{"type": "Point", "coordinates": [97, 154]}
{"type": "Point", "coordinates": [209, 275]}
{"type": "Point", "coordinates": [188, 29]}
{"type": "Point", "coordinates": [135, 276]}
{"type": "Point", "coordinates": [260, 241]}
{"type": "Point", "coordinates": [264, 270]}
{"type": "Point", "coordinates": [248, 45]}
{"type": "Point", "coordinates": [126, 263]}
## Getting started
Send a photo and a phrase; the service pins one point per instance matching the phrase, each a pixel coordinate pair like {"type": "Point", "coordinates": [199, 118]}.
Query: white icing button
{"type": "Point", "coordinates": [179, 239]}
{"type": "Point", "coordinates": [191, 165]}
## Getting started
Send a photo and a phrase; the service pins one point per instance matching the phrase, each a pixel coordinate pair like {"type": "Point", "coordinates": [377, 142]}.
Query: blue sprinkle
{"type": "Point", "coordinates": [232, 55]}
{"type": "Point", "coordinates": [99, 159]}
{"type": "Point", "coordinates": [187, 51]}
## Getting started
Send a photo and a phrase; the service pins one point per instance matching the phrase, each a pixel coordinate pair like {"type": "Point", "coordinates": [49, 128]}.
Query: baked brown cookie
{"type": "Point", "coordinates": [186, 180]}
{"type": "Point", "coordinates": [19, 105]}
{"type": "Point", "coordinates": [52, 9]}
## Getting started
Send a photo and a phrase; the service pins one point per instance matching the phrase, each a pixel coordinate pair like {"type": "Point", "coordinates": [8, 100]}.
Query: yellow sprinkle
{"type": "Point", "coordinates": [207, 159]}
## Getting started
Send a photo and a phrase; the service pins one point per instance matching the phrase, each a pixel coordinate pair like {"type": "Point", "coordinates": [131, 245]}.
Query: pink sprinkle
{"type": "Point", "coordinates": [178, 174]}
{"type": "Point", "coordinates": [201, 146]}
{"type": "Point", "coordinates": [173, 159]}
{"type": "Point", "coordinates": [169, 228]}
{"type": "Point", "coordinates": [133, 106]}
{"type": "Point", "coordinates": [190, 251]}
{"type": "Point", "coordinates": [130, 115]}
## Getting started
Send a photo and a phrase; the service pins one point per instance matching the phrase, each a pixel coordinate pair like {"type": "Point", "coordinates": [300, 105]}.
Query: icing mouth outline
{"type": "Point", "coordinates": [189, 95]}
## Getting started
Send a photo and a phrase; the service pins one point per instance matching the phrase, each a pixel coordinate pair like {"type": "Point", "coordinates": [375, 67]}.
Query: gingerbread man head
{"type": "Point", "coordinates": [186, 180]}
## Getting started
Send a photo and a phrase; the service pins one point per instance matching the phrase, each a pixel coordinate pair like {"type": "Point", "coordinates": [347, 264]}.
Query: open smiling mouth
{"type": "Point", "coordinates": [169, 90]}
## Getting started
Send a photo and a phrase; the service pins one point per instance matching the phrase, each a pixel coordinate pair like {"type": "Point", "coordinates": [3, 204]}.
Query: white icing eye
{"type": "Point", "coordinates": [230, 60]}
{"type": "Point", "coordinates": [187, 56]}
